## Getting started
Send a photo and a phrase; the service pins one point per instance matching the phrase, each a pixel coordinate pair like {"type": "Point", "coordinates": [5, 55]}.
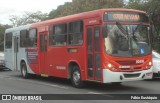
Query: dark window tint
{"type": "Point", "coordinates": [90, 65]}
{"type": "Point", "coordinates": [89, 39]}
{"type": "Point", "coordinates": [98, 65]}
{"type": "Point", "coordinates": [28, 38]}
{"type": "Point", "coordinates": [58, 35]}
{"type": "Point", "coordinates": [32, 37]}
{"type": "Point", "coordinates": [8, 40]}
{"type": "Point", "coordinates": [24, 38]}
{"type": "Point", "coordinates": [97, 38]}
{"type": "Point", "coordinates": [43, 43]}
{"type": "Point", "coordinates": [60, 29]}
{"type": "Point", "coordinates": [75, 33]}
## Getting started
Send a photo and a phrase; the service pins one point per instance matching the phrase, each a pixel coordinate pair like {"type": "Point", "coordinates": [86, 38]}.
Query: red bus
{"type": "Point", "coordinates": [106, 45]}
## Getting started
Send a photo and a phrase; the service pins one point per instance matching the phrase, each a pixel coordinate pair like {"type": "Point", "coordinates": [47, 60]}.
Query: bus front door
{"type": "Point", "coordinates": [93, 53]}
{"type": "Point", "coordinates": [43, 54]}
{"type": "Point", "coordinates": [15, 50]}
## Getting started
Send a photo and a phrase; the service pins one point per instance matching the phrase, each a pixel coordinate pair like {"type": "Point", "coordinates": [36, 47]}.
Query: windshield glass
{"type": "Point", "coordinates": [127, 40]}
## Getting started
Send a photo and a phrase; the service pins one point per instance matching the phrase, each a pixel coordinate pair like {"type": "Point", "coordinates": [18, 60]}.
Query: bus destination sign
{"type": "Point", "coordinates": [125, 17]}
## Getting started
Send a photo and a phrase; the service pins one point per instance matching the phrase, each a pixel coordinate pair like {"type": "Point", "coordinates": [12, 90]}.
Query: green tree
{"type": "Point", "coordinates": [2, 31]}
{"type": "Point", "coordinates": [152, 7]}
{"type": "Point", "coordinates": [78, 6]}
{"type": "Point", "coordinates": [136, 4]}
{"type": "Point", "coordinates": [28, 18]}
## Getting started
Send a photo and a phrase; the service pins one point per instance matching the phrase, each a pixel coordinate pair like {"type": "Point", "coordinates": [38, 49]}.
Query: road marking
{"type": "Point", "coordinates": [53, 85]}
{"type": "Point", "coordinates": [101, 94]}
{"type": "Point", "coordinates": [37, 82]}
{"type": "Point", "coordinates": [94, 93]}
{"type": "Point", "coordinates": [46, 84]}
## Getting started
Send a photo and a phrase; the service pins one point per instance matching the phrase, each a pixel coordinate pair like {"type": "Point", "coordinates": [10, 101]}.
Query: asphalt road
{"type": "Point", "coordinates": [11, 82]}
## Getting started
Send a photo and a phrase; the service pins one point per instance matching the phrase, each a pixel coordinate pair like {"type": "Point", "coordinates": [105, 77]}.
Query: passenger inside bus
{"type": "Point", "coordinates": [119, 40]}
{"type": "Point", "coordinates": [116, 40]}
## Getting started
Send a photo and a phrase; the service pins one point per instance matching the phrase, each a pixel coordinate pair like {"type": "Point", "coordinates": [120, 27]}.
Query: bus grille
{"type": "Point", "coordinates": [133, 69]}
{"type": "Point", "coordinates": [131, 75]}
{"type": "Point", "coordinates": [130, 62]}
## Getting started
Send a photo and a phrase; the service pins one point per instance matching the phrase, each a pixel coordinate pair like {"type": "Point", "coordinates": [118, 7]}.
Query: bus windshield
{"type": "Point", "coordinates": [127, 40]}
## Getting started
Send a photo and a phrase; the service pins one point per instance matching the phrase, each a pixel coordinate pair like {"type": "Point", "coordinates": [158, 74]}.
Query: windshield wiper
{"type": "Point", "coordinates": [137, 28]}
{"type": "Point", "coordinates": [126, 34]}
{"type": "Point", "coordinates": [121, 28]}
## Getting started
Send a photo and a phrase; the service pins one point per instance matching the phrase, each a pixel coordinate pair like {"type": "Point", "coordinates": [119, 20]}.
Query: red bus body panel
{"type": "Point", "coordinates": [55, 61]}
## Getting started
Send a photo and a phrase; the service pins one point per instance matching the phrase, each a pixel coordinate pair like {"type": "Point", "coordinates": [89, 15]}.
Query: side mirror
{"type": "Point", "coordinates": [104, 31]}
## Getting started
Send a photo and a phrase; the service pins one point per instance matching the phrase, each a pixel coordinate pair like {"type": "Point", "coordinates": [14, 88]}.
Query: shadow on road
{"type": "Point", "coordinates": [157, 79]}
{"type": "Point", "coordinates": [91, 86]}
{"type": "Point", "coordinates": [110, 88]}
{"type": "Point", "coordinates": [4, 70]}
{"type": "Point", "coordinates": [128, 87]}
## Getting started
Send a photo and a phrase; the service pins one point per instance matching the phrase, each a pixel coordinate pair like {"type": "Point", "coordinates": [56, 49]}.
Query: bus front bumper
{"type": "Point", "coordinates": [110, 76]}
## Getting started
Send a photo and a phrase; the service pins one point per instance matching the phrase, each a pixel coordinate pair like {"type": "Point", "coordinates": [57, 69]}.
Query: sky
{"type": "Point", "coordinates": [18, 7]}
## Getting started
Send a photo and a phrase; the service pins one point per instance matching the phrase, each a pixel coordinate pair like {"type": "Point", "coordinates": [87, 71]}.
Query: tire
{"type": "Point", "coordinates": [24, 72]}
{"type": "Point", "coordinates": [76, 77]}
{"type": "Point", "coordinates": [153, 76]}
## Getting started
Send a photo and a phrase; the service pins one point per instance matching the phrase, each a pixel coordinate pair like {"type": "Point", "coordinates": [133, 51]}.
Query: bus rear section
{"type": "Point", "coordinates": [14, 49]}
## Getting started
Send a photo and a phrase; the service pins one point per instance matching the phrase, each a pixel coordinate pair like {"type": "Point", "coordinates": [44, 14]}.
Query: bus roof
{"type": "Point", "coordinates": [79, 16]}
{"type": "Point", "coordinates": [83, 15]}
{"type": "Point", "coordinates": [18, 28]}
{"type": "Point", "coordinates": [124, 9]}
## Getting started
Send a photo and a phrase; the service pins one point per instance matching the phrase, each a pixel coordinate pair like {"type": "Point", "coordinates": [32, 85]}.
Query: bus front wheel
{"type": "Point", "coordinates": [24, 72]}
{"type": "Point", "coordinates": [76, 77]}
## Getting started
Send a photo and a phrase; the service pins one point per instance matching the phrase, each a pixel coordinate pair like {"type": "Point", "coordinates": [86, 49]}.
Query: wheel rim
{"type": "Point", "coordinates": [76, 77]}
{"type": "Point", "coordinates": [23, 71]}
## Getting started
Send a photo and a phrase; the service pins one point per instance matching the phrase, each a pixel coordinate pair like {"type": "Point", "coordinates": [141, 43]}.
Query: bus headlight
{"type": "Point", "coordinates": [111, 67]}
{"type": "Point", "coordinates": [108, 65]}
{"type": "Point", "coordinates": [149, 65]}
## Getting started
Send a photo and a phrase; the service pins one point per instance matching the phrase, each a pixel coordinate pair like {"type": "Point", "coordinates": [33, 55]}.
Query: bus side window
{"type": "Point", "coordinates": [24, 38]}
{"type": "Point", "coordinates": [8, 40]}
{"type": "Point", "coordinates": [32, 37]}
{"type": "Point", "coordinates": [75, 33]}
{"type": "Point", "coordinates": [58, 35]}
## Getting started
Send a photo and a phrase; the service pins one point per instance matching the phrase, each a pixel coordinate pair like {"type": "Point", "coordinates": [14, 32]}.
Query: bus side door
{"type": "Point", "coordinates": [93, 52]}
{"type": "Point", "coordinates": [15, 50]}
{"type": "Point", "coordinates": [43, 53]}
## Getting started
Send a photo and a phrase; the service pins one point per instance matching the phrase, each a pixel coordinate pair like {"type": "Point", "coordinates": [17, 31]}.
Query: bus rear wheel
{"type": "Point", "coordinates": [76, 77]}
{"type": "Point", "coordinates": [24, 72]}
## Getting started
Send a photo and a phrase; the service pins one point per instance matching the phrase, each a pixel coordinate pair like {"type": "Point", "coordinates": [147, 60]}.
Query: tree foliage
{"type": "Point", "coordinates": [2, 31]}
{"type": "Point", "coordinates": [28, 18]}
{"type": "Point", "coordinates": [136, 4]}
{"type": "Point", "coordinates": [152, 7]}
{"type": "Point", "coordinates": [78, 6]}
